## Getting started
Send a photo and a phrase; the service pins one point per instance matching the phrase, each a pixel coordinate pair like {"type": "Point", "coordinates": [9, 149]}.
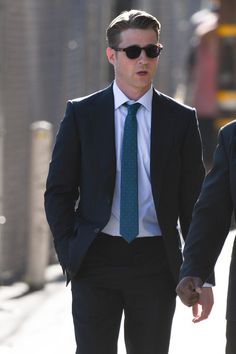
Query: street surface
{"type": "Point", "coordinates": [41, 323]}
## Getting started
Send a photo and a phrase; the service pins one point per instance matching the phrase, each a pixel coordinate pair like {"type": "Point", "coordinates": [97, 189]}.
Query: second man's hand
{"type": "Point", "coordinates": [189, 290]}
{"type": "Point", "coordinates": [192, 293]}
{"type": "Point", "coordinates": [202, 308]}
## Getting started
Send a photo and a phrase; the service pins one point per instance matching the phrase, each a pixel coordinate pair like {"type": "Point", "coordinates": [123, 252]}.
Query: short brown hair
{"type": "Point", "coordinates": [137, 19]}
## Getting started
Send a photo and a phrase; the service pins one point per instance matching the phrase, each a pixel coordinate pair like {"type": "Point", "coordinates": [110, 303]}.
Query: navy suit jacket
{"type": "Point", "coordinates": [81, 179]}
{"type": "Point", "coordinates": [212, 217]}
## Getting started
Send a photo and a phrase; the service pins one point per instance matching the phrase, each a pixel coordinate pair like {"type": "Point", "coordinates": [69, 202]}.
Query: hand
{"type": "Point", "coordinates": [202, 309]}
{"type": "Point", "coordinates": [189, 290]}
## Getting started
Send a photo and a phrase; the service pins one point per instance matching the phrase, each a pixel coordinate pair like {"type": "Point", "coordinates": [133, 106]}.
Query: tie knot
{"type": "Point", "coordinates": [132, 108]}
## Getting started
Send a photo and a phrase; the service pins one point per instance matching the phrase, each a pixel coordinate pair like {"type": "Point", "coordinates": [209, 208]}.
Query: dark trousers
{"type": "Point", "coordinates": [118, 277]}
{"type": "Point", "coordinates": [231, 337]}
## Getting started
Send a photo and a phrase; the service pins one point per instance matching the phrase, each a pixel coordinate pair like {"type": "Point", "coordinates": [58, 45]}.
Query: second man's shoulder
{"type": "Point", "coordinates": [229, 128]}
{"type": "Point", "coordinates": [227, 133]}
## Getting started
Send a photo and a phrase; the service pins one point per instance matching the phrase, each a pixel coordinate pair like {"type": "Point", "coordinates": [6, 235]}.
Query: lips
{"type": "Point", "coordinates": [143, 72]}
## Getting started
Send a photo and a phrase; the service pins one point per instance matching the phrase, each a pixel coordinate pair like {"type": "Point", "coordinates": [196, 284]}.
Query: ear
{"type": "Point", "coordinates": [110, 55]}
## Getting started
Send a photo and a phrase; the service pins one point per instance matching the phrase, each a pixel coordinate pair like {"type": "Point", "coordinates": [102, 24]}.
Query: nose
{"type": "Point", "coordinates": [143, 56]}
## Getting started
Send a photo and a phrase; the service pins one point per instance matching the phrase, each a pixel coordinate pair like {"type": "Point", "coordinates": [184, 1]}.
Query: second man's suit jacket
{"type": "Point", "coordinates": [82, 172]}
{"type": "Point", "coordinates": [212, 217]}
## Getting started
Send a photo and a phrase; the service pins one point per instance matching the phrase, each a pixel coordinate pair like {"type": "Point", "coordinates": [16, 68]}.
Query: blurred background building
{"type": "Point", "coordinates": [51, 51]}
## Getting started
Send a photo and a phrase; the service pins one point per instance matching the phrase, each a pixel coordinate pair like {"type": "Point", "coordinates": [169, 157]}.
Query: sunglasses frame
{"type": "Point", "coordinates": [146, 48]}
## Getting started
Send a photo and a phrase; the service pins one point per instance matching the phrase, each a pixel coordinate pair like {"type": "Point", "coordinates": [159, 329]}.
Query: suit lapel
{"type": "Point", "coordinates": [162, 133]}
{"type": "Point", "coordinates": [105, 132]}
{"type": "Point", "coordinates": [105, 127]}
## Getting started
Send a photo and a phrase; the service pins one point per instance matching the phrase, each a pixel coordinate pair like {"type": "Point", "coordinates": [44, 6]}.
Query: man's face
{"type": "Point", "coordinates": [134, 76]}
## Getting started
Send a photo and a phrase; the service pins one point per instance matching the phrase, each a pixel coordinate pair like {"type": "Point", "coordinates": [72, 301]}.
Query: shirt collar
{"type": "Point", "coordinates": [120, 98]}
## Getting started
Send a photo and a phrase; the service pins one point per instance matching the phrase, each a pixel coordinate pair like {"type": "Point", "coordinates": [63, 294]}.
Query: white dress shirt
{"type": "Point", "coordinates": [148, 223]}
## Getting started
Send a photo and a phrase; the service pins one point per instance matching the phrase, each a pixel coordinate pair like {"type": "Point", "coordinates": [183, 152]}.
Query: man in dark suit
{"type": "Point", "coordinates": [123, 259]}
{"type": "Point", "coordinates": [209, 229]}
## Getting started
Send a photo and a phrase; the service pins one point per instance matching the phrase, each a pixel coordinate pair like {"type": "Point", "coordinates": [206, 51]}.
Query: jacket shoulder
{"type": "Point", "coordinates": [229, 129]}
{"type": "Point", "coordinates": [173, 103]}
{"type": "Point", "coordinates": [93, 97]}
{"type": "Point", "coordinates": [227, 136]}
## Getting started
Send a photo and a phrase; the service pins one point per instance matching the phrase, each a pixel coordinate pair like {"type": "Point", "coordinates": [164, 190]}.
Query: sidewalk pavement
{"type": "Point", "coordinates": [37, 322]}
{"type": "Point", "coordinates": [40, 322]}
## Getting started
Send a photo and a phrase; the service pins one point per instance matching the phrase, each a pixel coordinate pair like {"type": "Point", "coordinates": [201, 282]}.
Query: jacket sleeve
{"type": "Point", "coordinates": [211, 217]}
{"type": "Point", "coordinates": [62, 186]}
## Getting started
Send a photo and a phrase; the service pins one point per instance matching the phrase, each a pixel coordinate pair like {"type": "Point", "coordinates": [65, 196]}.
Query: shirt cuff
{"type": "Point", "coordinates": [207, 285]}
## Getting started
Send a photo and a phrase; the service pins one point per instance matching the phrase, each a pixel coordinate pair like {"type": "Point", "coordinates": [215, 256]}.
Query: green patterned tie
{"type": "Point", "coordinates": [129, 218]}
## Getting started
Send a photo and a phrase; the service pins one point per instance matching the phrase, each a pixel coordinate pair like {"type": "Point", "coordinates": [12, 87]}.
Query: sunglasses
{"type": "Point", "coordinates": [134, 51]}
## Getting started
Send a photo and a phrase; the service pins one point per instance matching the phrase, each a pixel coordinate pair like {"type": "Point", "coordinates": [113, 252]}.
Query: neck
{"type": "Point", "coordinates": [133, 93]}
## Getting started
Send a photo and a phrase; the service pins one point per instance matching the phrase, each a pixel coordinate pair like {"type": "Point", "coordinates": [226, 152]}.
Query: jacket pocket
{"type": "Point", "coordinates": [78, 245]}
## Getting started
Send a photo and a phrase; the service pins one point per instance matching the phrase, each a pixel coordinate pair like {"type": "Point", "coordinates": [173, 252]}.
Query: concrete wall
{"type": "Point", "coordinates": [50, 51]}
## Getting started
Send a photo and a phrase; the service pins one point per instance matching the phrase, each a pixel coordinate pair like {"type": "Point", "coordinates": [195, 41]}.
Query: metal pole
{"type": "Point", "coordinates": [38, 249]}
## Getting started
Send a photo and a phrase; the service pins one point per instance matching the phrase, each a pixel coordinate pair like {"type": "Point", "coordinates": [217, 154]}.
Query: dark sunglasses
{"type": "Point", "coordinates": [134, 51]}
